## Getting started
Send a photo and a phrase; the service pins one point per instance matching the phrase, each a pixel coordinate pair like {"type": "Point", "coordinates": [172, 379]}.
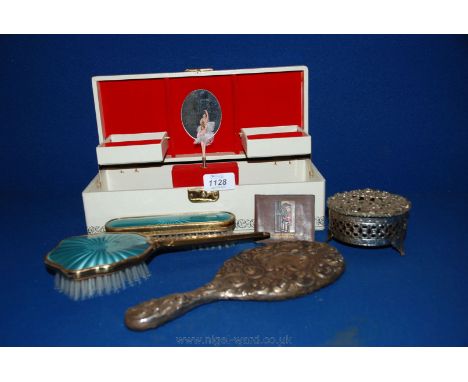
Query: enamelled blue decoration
{"type": "Point", "coordinates": [155, 221]}
{"type": "Point", "coordinates": [82, 252]}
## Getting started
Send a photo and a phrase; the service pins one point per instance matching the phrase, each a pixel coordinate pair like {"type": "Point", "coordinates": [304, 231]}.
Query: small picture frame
{"type": "Point", "coordinates": [285, 217]}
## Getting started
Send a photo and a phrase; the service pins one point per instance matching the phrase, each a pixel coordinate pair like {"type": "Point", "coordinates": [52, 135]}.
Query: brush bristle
{"type": "Point", "coordinates": [101, 285]}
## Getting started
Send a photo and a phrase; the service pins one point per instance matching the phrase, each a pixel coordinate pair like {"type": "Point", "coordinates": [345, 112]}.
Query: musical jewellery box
{"type": "Point", "coordinates": [201, 140]}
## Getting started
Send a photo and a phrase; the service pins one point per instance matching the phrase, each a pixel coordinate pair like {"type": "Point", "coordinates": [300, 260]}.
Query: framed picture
{"type": "Point", "coordinates": [285, 217]}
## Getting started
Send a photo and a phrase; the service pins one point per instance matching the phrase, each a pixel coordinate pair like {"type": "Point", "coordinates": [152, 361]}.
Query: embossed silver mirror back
{"type": "Point", "coordinates": [275, 271]}
{"type": "Point", "coordinates": [369, 218]}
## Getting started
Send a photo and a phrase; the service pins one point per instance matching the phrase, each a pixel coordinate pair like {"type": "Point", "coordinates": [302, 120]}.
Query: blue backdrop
{"type": "Point", "coordinates": [389, 112]}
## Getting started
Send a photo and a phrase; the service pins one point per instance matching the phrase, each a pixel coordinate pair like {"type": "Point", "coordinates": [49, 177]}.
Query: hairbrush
{"type": "Point", "coordinates": [278, 271]}
{"type": "Point", "coordinates": [93, 265]}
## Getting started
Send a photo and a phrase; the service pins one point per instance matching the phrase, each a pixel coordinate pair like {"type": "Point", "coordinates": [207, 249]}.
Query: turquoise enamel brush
{"type": "Point", "coordinates": [93, 265]}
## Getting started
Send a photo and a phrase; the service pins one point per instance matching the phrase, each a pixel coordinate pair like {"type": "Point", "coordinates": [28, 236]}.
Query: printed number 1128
{"type": "Point", "coordinates": [214, 182]}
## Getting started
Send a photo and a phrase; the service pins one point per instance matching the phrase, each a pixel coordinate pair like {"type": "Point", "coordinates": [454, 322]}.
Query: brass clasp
{"type": "Point", "coordinates": [199, 195]}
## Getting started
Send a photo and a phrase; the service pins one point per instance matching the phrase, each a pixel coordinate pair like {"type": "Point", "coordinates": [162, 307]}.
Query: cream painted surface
{"type": "Point", "coordinates": [152, 194]}
{"type": "Point", "coordinates": [269, 129]}
{"type": "Point", "coordinates": [136, 137]}
{"type": "Point", "coordinates": [160, 177]}
{"type": "Point", "coordinates": [150, 153]}
{"type": "Point", "coordinates": [275, 147]}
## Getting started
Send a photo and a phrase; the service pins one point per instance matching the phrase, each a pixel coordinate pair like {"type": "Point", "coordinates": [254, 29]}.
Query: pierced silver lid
{"type": "Point", "coordinates": [369, 203]}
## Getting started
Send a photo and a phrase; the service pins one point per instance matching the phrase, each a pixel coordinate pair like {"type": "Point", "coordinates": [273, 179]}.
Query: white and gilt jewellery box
{"type": "Point", "coordinates": [255, 126]}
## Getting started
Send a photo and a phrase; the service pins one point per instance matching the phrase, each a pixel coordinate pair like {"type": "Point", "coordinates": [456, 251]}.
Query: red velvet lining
{"type": "Point", "coordinates": [247, 100]}
{"type": "Point", "coordinates": [132, 143]}
{"type": "Point", "coordinates": [191, 175]}
{"type": "Point", "coordinates": [269, 99]}
{"type": "Point", "coordinates": [276, 135]}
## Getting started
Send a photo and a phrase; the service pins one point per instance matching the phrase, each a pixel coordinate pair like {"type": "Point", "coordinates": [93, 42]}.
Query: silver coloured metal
{"type": "Point", "coordinates": [368, 217]}
{"type": "Point", "coordinates": [276, 271]}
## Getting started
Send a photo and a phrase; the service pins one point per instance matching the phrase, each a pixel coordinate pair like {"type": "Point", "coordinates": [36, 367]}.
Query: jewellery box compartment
{"type": "Point", "coordinates": [132, 148]}
{"type": "Point", "coordinates": [143, 191]}
{"type": "Point", "coordinates": [259, 142]}
{"type": "Point", "coordinates": [150, 162]}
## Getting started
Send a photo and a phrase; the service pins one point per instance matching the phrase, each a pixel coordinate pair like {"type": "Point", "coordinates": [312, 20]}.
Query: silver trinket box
{"type": "Point", "coordinates": [368, 217]}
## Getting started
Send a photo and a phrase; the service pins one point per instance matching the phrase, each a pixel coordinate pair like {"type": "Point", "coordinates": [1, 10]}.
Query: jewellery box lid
{"type": "Point", "coordinates": [248, 98]}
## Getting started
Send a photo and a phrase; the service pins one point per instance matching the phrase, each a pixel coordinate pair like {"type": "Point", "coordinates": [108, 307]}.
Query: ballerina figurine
{"type": "Point", "coordinates": [205, 134]}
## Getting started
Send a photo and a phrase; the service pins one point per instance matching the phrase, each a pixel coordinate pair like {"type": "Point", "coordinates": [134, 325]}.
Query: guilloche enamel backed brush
{"type": "Point", "coordinates": [93, 265]}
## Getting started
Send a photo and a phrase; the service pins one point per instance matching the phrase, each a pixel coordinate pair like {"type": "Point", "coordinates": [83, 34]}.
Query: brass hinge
{"type": "Point", "coordinates": [199, 70]}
